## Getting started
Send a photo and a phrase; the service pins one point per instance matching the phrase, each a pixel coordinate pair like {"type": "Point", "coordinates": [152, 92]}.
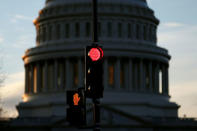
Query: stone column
{"type": "Point", "coordinates": [130, 74]}
{"type": "Point", "coordinates": [53, 33]}
{"type": "Point", "coordinates": [55, 75]}
{"type": "Point", "coordinates": [26, 79]}
{"type": "Point", "coordinates": [32, 79]}
{"type": "Point", "coordinates": [147, 32]}
{"type": "Point", "coordinates": [106, 72]}
{"type": "Point", "coordinates": [165, 80]}
{"type": "Point", "coordinates": [37, 35]}
{"type": "Point", "coordinates": [46, 32]}
{"type": "Point", "coordinates": [80, 72]}
{"type": "Point", "coordinates": [115, 29]}
{"type": "Point", "coordinates": [151, 33]}
{"type": "Point", "coordinates": [82, 29]}
{"type": "Point", "coordinates": [156, 78]}
{"type": "Point", "coordinates": [67, 82]}
{"type": "Point", "coordinates": [142, 80]}
{"type": "Point", "coordinates": [50, 29]}
{"type": "Point", "coordinates": [150, 76]}
{"type": "Point", "coordinates": [125, 76]}
{"type": "Point", "coordinates": [38, 77]}
{"type": "Point", "coordinates": [41, 33]}
{"type": "Point", "coordinates": [45, 88]}
{"type": "Point", "coordinates": [144, 31]}
{"type": "Point", "coordinates": [62, 30]}
{"type": "Point", "coordinates": [61, 76]}
{"type": "Point", "coordinates": [125, 30]}
{"type": "Point", "coordinates": [145, 76]}
{"type": "Point", "coordinates": [72, 29]}
{"type": "Point", "coordinates": [155, 34]}
{"type": "Point", "coordinates": [104, 29]}
{"type": "Point", "coordinates": [133, 30]}
{"type": "Point", "coordinates": [117, 74]}
{"type": "Point", "coordinates": [135, 82]}
{"type": "Point", "coordinates": [141, 32]}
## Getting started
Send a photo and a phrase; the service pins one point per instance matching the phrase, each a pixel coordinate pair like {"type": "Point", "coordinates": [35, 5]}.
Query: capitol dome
{"type": "Point", "coordinates": [135, 67]}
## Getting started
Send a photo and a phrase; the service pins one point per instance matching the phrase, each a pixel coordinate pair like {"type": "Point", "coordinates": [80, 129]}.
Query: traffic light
{"type": "Point", "coordinates": [76, 113]}
{"type": "Point", "coordinates": [94, 72]}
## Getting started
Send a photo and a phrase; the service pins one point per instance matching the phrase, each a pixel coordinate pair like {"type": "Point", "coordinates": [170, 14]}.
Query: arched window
{"type": "Point", "coordinates": [58, 31]}
{"type": "Point", "coordinates": [138, 31]}
{"type": "Point", "coordinates": [150, 33]}
{"type": "Point", "coordinates": [145, 32]}
{"type": "Point", "coordinates": [109, 29]}
{"type": "Point", "coordinates": [50, 32]}
{"type": "Point", "coordinates": [155, 33]}
{"type": "Point", "coordinates": [129, 30]}
{"type": "Point", "coordinates": [67, 30]}
{"type": "Point", "coordinates": [99, 28]}
{"type": "Point", "coordinates": [119, 30]}
{"type": "Point", "coordinates": [76, 74]}
{"type": "Point", "coordinates": [44, 34]}
{"type": "Point", "coordinates": [77, 29]}
{"type": "Point", "coordinates": [88, 29]}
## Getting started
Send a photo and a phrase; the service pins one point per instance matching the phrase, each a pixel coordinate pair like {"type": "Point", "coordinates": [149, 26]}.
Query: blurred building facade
{"type": "Point", "coordinates": [136, 77]}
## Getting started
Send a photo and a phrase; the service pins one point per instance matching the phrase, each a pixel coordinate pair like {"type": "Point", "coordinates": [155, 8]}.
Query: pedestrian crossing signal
{"type": "Point", "coordinates": [76, 111]}
{"type": "Point", "coordinates": [76, 99]}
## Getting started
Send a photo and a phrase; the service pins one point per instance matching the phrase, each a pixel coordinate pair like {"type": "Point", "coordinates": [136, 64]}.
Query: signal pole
{"type": "Point", "coordinates": [95, 21]}
{"type": "Point", "coordinates": [96, 101]}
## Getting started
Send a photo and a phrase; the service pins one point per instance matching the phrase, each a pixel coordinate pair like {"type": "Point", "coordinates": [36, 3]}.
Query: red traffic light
{"type": "Point", "coordinates": [95, 54]}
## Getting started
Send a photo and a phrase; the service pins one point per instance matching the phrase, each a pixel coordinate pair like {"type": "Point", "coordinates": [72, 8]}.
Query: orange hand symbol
{"type": "Point", "coordinates": [76, 99]}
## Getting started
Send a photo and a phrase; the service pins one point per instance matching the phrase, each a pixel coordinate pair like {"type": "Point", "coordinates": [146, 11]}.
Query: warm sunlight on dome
{"type": "Point", "coordinates": [25, 98]}
{"type": "Point", "coordinates": [35, 21]}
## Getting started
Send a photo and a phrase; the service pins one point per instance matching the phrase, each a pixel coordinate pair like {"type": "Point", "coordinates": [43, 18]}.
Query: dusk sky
{"type": "Point", "coordinates": [177, 32]}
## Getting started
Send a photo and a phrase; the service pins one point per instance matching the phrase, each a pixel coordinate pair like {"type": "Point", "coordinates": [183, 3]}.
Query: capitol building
{"type": "Point", "coordinates": [136, 68]}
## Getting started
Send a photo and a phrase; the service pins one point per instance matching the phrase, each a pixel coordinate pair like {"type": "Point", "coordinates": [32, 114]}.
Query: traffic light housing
{"type": "Point", "coordinates": [94, 72]}
{"type": "Point", "coordinates": [76, 112]}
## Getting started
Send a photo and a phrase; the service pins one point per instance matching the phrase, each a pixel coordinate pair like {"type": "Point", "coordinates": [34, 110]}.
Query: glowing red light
{"type": "Point", "coordinates": [76, 99]}
{"type": "Point", "coordinates": [95, 54]}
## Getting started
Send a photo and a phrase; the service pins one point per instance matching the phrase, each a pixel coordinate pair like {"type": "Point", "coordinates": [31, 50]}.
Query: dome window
{"type": "Point", "coordinates": [77, 30]}
{"type": "Point", "coordinates": [88, 29]}
{"type": "Point", "coordinates": [109, 29]}
{"type": "Point", "coordinates": [67, 30]}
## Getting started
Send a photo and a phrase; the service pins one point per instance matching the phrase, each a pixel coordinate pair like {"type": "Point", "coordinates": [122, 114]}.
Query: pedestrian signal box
{"type": "Point", "coordinates": [76, 111]}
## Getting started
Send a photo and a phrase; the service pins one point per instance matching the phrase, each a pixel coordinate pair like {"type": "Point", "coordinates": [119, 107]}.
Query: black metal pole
{"type": "Point", "coordinates": [96, 115]}
{"type": "Point", "coordinates": [96, 102]}
{"type": "Point", "coordinates": [95, 21]}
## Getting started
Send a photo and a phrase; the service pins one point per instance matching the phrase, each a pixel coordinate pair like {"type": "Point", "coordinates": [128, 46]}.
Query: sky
{"type": "Point", "coordinates": [177, 32]}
